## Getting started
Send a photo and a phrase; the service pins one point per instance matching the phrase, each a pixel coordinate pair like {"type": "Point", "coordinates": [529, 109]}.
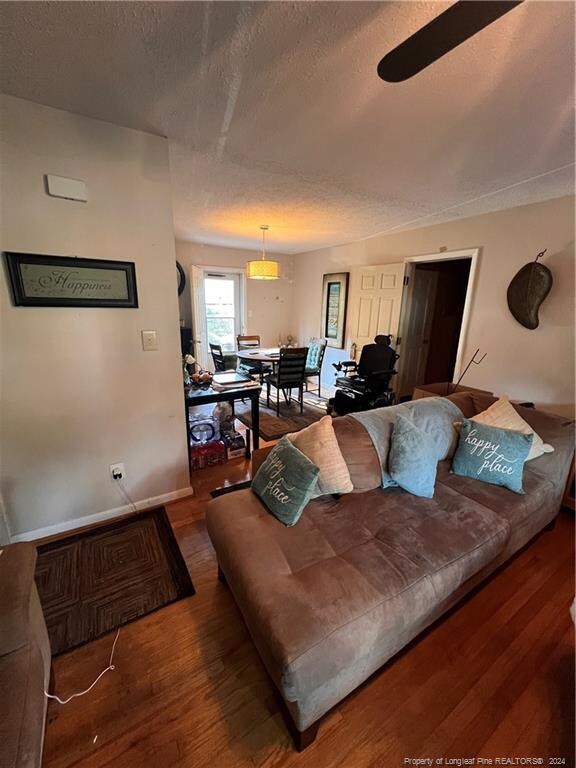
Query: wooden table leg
{"type": "Point", "coordinates": [187, 417]}
{"type": "Point", "coordinates": [255, 403]}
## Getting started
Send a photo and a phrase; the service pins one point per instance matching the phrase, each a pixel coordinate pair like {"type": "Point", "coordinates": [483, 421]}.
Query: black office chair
{"type": "Point", "coordinates": [290, 374]}
{"type": "Point", "coordinates": [366, 385]}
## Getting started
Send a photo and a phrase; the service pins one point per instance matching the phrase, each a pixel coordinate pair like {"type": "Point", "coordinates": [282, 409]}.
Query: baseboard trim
{"type": "Point", "coordinates": [98, 517]}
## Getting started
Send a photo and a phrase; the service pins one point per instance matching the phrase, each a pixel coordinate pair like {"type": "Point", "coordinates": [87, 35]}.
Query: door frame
{"type": "Point", "coordinates": [205, 269]}
{"type": "Point", "coordinates": [468, 253]}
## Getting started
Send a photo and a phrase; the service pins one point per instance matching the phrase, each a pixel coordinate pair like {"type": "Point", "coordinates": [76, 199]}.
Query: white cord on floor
{"type": "Point", "coordinates": [126, 495]}
{"type": "Point", "coordinates": [109, 668]}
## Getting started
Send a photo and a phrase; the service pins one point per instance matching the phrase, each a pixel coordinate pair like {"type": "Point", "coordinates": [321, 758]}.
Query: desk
{"type": "Point", "coordinates": [199, 396]}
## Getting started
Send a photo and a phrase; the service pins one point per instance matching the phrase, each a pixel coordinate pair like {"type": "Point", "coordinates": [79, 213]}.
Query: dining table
{"type": "Point", "coordinates": [259, 354]}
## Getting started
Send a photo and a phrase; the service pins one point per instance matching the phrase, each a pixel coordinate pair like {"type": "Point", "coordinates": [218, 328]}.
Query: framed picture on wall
{"type": "Point", "coordinates": [334, 301]}
{"type": "Point", "coordinates": [64, 281]}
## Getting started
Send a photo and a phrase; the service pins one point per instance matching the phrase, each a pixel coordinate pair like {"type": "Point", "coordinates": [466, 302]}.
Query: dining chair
{"type": "Point", "coordinates": [255, 368]}
{"type": "Point", "coordinates": [247, 341]}
{"type": "Point", "coordinates": [218, 358]}
{"type": "Point", "coordinates": [223, 361]}
{"type": "Point", "coordinates": [316, 350]}
{"type": "Point", "coordinates": [289, 375]}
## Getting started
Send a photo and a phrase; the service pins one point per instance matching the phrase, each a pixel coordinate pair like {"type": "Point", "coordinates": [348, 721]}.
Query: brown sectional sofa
{"type": "Point", "coordinates": [330, 600]}
{"type": "Point", "coordinates": [24, 660]}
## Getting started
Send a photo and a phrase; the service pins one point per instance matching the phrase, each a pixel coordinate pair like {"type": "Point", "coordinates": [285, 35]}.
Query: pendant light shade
{"type": "Point", "coordinates": [263, 269]}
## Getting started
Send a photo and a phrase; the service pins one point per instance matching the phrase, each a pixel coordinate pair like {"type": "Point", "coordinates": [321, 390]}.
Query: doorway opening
{"type": "Point", "coordinates": [434, 313]}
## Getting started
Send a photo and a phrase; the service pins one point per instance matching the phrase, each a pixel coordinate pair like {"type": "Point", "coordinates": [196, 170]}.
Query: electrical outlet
{"type": "Point", "coordinates": [117, 471]}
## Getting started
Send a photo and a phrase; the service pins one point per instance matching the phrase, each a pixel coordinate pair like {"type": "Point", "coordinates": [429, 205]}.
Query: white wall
{"type": "Point", "coordinates": [269, 302]}
{"type": "Point", "coordinates": [534, 365]}
{"type": "Point", "coordinates": [78, 392]}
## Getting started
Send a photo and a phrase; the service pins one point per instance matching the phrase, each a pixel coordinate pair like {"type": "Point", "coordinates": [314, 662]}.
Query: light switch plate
{"type": "Point", "coordinates": [149, 341]}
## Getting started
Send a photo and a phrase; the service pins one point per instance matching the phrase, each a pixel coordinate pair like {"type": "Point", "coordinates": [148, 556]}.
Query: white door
{"type": "Point", "coordinates": [198, 317]}
{"type": "Point", "coordinates": [375, 299]}
{"type": "Point", "coordinates": [222, 302]}
{"type": "Point", "coordinates": [416, 325]}
{"type": "Point", "coordinates": [217, 311]}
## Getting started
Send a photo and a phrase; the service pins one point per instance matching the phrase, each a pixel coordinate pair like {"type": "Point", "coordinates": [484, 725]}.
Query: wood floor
{"type": "Point", "coordinates": [494, 679]}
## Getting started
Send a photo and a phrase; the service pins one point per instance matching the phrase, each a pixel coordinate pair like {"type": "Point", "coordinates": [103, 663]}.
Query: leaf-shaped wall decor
{"type": "Point", "coordinates": [527, 290]}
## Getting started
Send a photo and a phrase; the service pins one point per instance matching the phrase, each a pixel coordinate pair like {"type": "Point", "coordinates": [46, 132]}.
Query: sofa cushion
{"type": "Point", "coordinates": [558, 431]}
{"type": "Point", "coordinates": [525, 514]}
{"type": "Point", "coordinates": [17, 564]}
{"type": "Point", "coordinates": [482, 402]}
{"type": "Point", "coordinates": [319, 443]}
{"type": "Point", "coordinates": [464, 401]}
{"type": "Point", "coordinates": [359, 453]}
{"type": "Point", "coordinates": [346, 585]}
{"type": "Point", "coordinates": [513, 508]}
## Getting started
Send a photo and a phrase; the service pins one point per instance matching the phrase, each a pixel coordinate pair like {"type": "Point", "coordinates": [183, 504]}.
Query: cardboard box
{"type": "Point", "coordinates": [443, 389]}
{"type": "Point", "coordinates": [208, 454]}
{"type": "Point", "coordinates": [235, 445]}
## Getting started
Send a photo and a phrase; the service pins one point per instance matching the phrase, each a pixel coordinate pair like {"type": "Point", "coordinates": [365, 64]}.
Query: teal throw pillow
{"type": "Point", "coordinates": [413, 458]}
{"type": "Point", "coordinates": [492, 454]}
{"type": "Point", "coordinates": [285, 482]}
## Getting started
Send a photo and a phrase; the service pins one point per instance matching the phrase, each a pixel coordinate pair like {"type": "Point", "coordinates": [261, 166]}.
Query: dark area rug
{"type": "Point", "coordinates": [93, 582]}
{"type": "Point", "coordinates": [274, 427]}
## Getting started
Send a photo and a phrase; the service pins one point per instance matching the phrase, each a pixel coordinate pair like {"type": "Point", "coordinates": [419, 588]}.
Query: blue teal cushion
{"type": "Point", "coordinates": [286, 481]}
{"type": "Point", "coordinates": [313, 357]}
{"type": "Point", "coordinates": [492, 455]}
{"type": "Point", "coordinates": [413, 458]}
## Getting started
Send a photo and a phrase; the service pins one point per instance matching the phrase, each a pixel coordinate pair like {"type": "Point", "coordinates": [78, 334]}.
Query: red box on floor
{"type": "Point", "coordinates": [208, 454]}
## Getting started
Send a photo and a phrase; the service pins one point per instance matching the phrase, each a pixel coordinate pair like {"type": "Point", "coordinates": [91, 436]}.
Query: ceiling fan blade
{"type": "Point", "coordinates": [458, 23]}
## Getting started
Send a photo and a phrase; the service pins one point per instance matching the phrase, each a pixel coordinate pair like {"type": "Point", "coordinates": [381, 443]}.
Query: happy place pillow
{"type": "Point", "coordinates": [492, 455]}
{"type": "Point", "coordinates": [285, 482]}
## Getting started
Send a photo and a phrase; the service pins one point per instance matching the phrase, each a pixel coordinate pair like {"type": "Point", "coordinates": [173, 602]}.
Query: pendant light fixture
{"type": "Point", "coordinates": [263, 269]}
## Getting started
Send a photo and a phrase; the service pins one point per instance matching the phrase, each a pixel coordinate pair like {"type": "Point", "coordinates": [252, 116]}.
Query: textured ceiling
{"type": "Point", "coordinates": [275, 113]}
